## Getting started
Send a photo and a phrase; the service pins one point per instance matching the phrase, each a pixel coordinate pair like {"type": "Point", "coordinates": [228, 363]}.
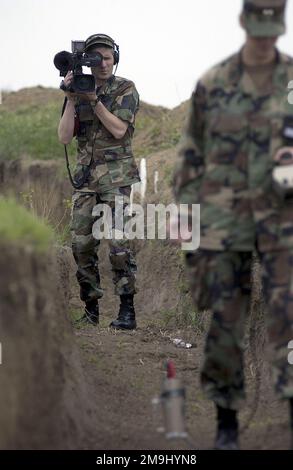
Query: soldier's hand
{"type": "Point", "coordinates": [68, 79]}
{"type": "Point", "coordinates": [86, 96]}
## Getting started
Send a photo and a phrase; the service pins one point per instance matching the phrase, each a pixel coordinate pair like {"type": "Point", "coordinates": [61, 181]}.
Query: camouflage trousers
{"type": "Point", "coordinates": [85, 246]}
{"type": "Point", "coordinates": [221, 282]}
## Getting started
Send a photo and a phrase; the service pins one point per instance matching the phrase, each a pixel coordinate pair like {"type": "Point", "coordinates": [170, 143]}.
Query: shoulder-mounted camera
{"type": "Point", "coordinates": [65, 61]}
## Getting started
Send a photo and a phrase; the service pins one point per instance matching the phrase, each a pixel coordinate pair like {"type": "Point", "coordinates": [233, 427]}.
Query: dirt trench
{"type": "Point", "coordinates": [40, 186]}
{"type": "Point", "coordinates": [126, 369]}
{"type": "Point", "coordinates": [43, 391]}
{"type": "Point", "coordinates": [66, 386]}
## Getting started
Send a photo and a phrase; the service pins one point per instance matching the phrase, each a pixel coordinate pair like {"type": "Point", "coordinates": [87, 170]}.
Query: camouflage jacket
{"type": "Point", "coordinates": [226, 158]}
{"type": "Point", "coordinates": [108, 161]}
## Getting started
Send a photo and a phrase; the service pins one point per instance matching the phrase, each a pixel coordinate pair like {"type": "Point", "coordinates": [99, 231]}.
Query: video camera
{"type": "Point", "coordinates": [65, 61]}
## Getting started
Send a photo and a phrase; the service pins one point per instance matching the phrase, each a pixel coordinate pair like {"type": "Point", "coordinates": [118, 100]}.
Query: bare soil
{"type": "Point", "coordinates": [126, 369]}
{"type": "Point", "coordinates": [42, 388]}
{"type": "Point", "coordinates": [63, 386]}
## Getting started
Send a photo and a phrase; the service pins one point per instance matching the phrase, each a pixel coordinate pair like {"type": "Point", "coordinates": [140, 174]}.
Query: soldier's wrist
{"type": "Point", "coordinates": [71, 99]}
{"type": "Point", "coordinates": [97, 104]}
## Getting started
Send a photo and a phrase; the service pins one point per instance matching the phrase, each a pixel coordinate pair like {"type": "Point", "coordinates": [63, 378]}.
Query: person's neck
{"type": "Point", "coordinates": [251, 58]}
{"type": "Point", "coordinates": [100, 82]}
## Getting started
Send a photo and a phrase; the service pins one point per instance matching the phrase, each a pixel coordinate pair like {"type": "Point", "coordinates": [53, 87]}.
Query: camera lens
{"type": "Point", "coordinates": [63, 61]}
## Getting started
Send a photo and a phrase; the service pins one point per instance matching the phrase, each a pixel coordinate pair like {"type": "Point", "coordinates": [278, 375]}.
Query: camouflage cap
{"type": "Point", "coordinates": [99, 40]}
{"type": "Point", "coordinates": [264, 18]}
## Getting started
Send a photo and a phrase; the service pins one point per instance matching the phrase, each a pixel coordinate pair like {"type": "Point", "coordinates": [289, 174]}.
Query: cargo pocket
{"type": "Point", "coordinates": [82, 168]}
{"type": "Point", "coordinates": [118, 167]}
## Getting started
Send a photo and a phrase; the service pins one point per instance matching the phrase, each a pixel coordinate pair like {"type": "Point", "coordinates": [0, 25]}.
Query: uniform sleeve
{"type": "Point", "coordinates": [190, 162]}
{"type": "Point", "coordinates": [126, 105]}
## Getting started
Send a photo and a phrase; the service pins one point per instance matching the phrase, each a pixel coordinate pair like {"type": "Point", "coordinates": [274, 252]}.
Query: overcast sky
{"type": "Point", "coordinates": [165, 45]}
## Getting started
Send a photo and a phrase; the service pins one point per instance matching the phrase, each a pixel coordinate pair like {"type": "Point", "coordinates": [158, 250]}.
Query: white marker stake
{"type": "Point", "coordinates": [156, 180]}
{"type": "Point", "coordinates": [143, 176]}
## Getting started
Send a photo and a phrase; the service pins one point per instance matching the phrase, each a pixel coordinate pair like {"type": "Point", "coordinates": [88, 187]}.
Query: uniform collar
{"type": "Point", "coordinates": [104, 89]}
{"type": "Point", "coordinates": [237, 75]}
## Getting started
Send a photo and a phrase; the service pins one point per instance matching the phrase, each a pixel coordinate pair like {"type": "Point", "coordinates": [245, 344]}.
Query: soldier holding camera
{"type": "Point", "coordinates": [100, 111]}
{"type": "Point", "coordinates": [237, 146]}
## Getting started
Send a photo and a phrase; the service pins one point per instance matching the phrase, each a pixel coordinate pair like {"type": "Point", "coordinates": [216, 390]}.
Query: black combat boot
{"type": "Point", "coordinates": [227, 433]}
{"type": "Point", "coordinates": [91, 313]}
{"type": "Point", "coordinates": [126, 315]}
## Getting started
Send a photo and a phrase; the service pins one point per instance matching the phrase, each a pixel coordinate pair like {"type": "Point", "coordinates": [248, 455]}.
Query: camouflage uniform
{"type": "Point", "coordinates": [226, 163]}
{"type": "Point", "coordinates": [111, 169]}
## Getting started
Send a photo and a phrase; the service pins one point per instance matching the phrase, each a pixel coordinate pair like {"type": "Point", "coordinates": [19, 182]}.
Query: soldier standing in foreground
{"type": "Point", "coordinates": [240, 129]}
{"type": "Point", "coordinates": [103, 123]}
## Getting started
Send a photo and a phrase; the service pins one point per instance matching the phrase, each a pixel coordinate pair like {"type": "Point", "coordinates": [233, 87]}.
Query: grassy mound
{"type": "Point", "coordinates": [29, 120]}
{"type": "Point", "coordinates": [18, 225]}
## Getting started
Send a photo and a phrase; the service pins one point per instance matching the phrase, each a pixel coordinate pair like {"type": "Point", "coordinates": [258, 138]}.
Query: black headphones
{"type": "Point", "coordinates": [116, 54]}
{"type": "Point", "coordinates": [107, 41]}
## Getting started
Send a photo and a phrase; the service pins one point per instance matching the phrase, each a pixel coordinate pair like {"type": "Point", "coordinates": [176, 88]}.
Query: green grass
{"type": "Point", "coordinates": [75, 314]}
{"type": "Point", "coordinates": [63, 235]}
{"type": "Point", "coordinates": [143, 122]}
{"type": "Point", "coordinates": [168, 174]}
{"type": "Point", "coordinates": [31, 131]}
{"type": "Point", "coordinates": [20, 226]}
